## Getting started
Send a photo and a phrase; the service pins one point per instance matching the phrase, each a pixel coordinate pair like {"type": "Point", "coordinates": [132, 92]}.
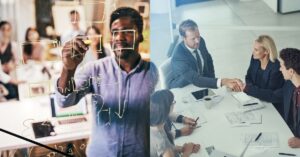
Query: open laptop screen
{"type": "Point", "coordinates": [77, 109]}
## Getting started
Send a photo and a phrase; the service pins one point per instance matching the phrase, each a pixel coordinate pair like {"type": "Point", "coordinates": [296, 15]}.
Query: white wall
{"type": "Point", "coordinates": [25, 17]}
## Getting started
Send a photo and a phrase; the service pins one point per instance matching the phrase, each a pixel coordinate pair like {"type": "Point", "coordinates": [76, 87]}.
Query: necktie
{"type": "Point", "coordinates": [198, 62]}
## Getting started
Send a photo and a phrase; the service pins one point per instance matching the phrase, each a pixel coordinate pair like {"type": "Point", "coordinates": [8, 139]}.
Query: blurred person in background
{"type": "Point", "coordinates": [32, 48]}
{"type": "Point", "coordinates": [75, 30]}
{"type": "Point", "coordinates": [8, 59]}
{"type": "Point", "coordinates": [33, 58]}
{"type": "Point", "coordinates": [96, 49]}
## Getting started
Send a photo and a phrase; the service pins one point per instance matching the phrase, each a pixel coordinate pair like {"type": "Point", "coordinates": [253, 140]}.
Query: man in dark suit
{"type": "Point", "coordinates": [192, 64]}
{"type": "Point", "coordinates": [290, 68]}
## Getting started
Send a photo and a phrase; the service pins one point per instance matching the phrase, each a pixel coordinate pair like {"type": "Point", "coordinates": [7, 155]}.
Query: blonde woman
{"type": "Point", "coordinates": [263, 75]}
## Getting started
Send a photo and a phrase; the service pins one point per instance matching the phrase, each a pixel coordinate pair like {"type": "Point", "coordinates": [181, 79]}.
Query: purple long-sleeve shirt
{"type": "Point", "coordinates": [120, 128]}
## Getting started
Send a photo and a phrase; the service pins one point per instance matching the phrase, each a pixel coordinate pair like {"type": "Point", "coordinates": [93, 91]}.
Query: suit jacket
{"type": "Point", "coordinates": [273, 80]}
{"type": "Point", "coordinates": [184, 68]}
{"type": "Point", "coordinates": [288, 91]}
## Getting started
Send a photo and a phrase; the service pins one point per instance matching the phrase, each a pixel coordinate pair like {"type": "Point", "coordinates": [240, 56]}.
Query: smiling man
{"type": "Point", "coordinates": [121, 99]}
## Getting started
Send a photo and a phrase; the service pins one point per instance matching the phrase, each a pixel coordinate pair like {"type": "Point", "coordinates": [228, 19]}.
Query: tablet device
{"type": "Point", "coordinates": [200, 94]}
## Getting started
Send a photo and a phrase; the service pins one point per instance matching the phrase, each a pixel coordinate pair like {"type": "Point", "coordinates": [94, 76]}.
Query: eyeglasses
{"type": "Point", "coordinates": [174, 102]}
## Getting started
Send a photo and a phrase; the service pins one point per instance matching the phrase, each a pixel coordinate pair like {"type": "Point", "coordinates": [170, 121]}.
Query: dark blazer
{"type": "Point", "coordinates": [273, 80]}
{"type": "Point", "coordinates": [184, 68]}
{"type": "Point", "coordinates": [288, 91]}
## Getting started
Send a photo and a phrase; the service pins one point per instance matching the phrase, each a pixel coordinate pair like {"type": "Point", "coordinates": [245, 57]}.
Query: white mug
{"type": "Point", "coordinates": [208, 102]}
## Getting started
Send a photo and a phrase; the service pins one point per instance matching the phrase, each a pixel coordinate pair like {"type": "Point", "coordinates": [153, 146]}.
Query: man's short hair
{"type": "Point", "coordinates": [133, 14]}
{"type": "Point", "coordinates": [2, 23]}
{"type": "Point", "coordinates": [291, 58]}
{"type": "Point", "coordinates": [187, 25]}
{"type": "Point", "coordinates": [74, 12]}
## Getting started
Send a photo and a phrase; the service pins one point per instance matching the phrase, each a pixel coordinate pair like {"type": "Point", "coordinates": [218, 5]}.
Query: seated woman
{"type": "Point", "coordinates": [32, 48]}
{"type": "Point", "coordinates": [8, 61]}
{"type": "Point", "coordinates": [263, 75]}
{"type": "Point", "coordinates": [161, 143]}
{"type": "Point", "coordinates": [96, 50]}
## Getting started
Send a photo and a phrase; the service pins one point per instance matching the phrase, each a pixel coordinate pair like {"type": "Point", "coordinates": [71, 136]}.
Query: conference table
{"type": "Point", "coordinates": [17, 116]}
{"type": "Point", "coordinates": [218, 132]}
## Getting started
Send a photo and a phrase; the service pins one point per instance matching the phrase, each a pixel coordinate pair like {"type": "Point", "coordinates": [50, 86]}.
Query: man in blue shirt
{"type": "Point", "coordinates": [121, 87]}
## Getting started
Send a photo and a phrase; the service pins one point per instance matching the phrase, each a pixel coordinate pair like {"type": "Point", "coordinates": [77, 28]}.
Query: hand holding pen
{"type": "Point", "coordinates": [195, 124]}
{"type": "Point", "coordinates": [188, 121]}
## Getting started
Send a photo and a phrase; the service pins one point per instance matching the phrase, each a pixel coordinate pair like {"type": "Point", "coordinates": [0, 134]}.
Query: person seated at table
{"type": "Point", "coordinates": [162, 142]}
{"type": "Point", "coordinates": [8, 60]}
{"type": "Point", "coordinates": [32, 48]}
{"type": "Point", "coordinates": [263, 75]}
{"type": "Point", "coordinates": [290, 68]}
{"type": "Point", "coordinates": [191, 62]}
{"type": "Point", "coordinates": [190, 125]}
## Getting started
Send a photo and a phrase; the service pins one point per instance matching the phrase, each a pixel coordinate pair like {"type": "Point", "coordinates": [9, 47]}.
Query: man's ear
{"type": "Point", "coordinates": [291, 71]}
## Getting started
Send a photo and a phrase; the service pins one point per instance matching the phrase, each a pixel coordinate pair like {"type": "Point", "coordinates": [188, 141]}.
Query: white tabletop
{"type": "Point", "coordinates": [218, 132]}
{"type": "Point", "coordinates": [14, 113]}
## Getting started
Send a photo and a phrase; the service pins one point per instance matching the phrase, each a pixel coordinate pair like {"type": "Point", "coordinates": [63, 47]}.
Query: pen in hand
{"type": "Point", "coordinates": [196, 121]}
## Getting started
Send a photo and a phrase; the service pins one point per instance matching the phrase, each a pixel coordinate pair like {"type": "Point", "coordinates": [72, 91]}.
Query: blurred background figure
{"type": "Point", "coordinates": [32, 48]}
{"type": "Point", "coordinates": [51, 33]}
{"type": "Point", "coordinates": [76, 30]}
{"type": "Point", "coordinates": [8, 61]}
{"type": "Point", "coordinates": [96, 49]}
{"type": "Point", "coordinates": [34, 63]}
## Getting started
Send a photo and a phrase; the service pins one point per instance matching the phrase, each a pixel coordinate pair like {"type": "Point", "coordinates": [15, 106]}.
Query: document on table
{"type": "Point", "coordinates": [186, 113]}
{"type": "Point", "coordinates": [248, 103]}
{"type": "Point", "coordinates": [217, 153]}
{"type": "Point", "coordinates": [267, 139]}
{"type": "Point", "coordinates": [239, 118]}
{"type": "Point", "coordinates": [242, 97]}
{"type": "Point", "coordinates": [201, 120]}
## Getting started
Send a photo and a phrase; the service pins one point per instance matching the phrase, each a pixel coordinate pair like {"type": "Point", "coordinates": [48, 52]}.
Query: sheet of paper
{"type": "Point", "coordinates": [188, 113]}
{"type": "Point", "coordinates": [200, 121]}
{"type": "Point", "coordinates": [246, 102]}
{"type": "Point", "coordinates": [267, 139]}
{"type": "Point", "coordinates": [237, 118]}
{"type": "Point", "coordinates": [217, 153]}
{"type": "Point", "coordinates": [242, 97]}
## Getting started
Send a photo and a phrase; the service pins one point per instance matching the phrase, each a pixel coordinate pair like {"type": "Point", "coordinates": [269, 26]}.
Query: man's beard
{"type": "Point", "coordinates": [125, 51]}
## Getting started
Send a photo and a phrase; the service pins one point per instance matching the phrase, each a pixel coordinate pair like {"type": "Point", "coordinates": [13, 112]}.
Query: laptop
{"type": "Point", "coordinates": [69, 119]}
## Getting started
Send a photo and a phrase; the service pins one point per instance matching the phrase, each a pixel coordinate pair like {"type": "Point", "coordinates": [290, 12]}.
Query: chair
{"type": "Point", "coordinates": [165, 73]}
